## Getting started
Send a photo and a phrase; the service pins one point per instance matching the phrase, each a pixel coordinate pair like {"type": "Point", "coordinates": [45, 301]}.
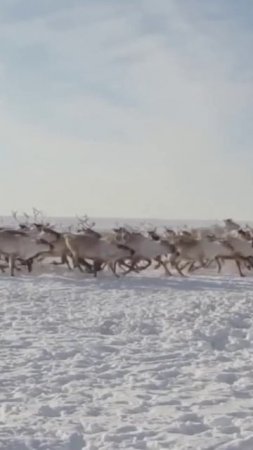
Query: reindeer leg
{"type": "Point", "coordinates": [115, 269]}
{"type": "Point", "coordinates": [79, 267]}
{"type": "Point", "coordinates": [63, 261]}
{"type": "Point", "coordinates": [165, 266]}
{"type": "Point", "coordinates": [65, 258]}
{"type": "Point", "coordinates": [112, 266]}
{"type": "Point", "coordinates": [43, 256]}
{"type": "Point", "coordinates": [179, 270]}
{"type": "Point", "coordinates": [17, 268]}
{"type": "Point", "coordinates": [76, 261]}
{"type": "Point", "coordinates": [209, 263]}
{"type": "Point", "coordinates": [89, 268]}
{"type": "Point", "coordinates": [239, 268]}
{"type": "Point", "coordinates": [58, 263]}
{"type": "Point", "coordinates": [95, 271]}
{"type": "Point", "coordinates": [217, 259]}
{"type": "Point", "coordinates": [29, 264]}
{"type": "Point", "coordinates": [188, 263]}
{"type": "Point", "coordinates": [3, 267]}
{"type": "Point", "coordinates": [131, 268]}
{"type": "Point", "coordinates": [191, 268]}
{"type": "Point", "coordinates": [135, 268]}
{"type": "Point", "coordinates": [149, 262]}
{"type": "Point", "coordinates": [159, 262]}
{"type": "Point", "coordinates": [250, 259]}
{"type": "Point", "coordinates": [97, 267]}
{"type": "Point", "coordinates": [11, 265]}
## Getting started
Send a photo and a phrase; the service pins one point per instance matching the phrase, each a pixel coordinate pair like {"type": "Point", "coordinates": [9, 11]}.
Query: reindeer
{"type": "Point", "coordinates": [145, 248]}
{"type": "Point", "coordinates": [171, 250]}
{"type": "Point", "coordinates": [27, 223]}
{"type": "Point", "coordinates": [15, 244]}
{"type": "Point", "coordinates": [242, 250]}
{"type": "Point", "coordinates": [207, 249]}
{"type": "Point", "coordinates": [230, 225]}
{"type": "Point", "coordinates": [98, 250]}
{"type": "Point", "coordinates": [58, 250]}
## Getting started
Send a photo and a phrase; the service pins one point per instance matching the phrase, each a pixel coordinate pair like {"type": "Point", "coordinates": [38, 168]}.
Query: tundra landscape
{"type": "Point", "coordinates": [125, 336]}
{"type": "Point", "coordinates": [126, 323]}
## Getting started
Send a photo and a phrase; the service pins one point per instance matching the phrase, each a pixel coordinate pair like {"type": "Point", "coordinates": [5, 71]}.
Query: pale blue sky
{"type": "Point", "coordinates": [133, 108]}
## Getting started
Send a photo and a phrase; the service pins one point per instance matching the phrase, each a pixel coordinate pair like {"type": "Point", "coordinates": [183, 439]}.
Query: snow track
{"type": "Point", "coordinates": [136, 363]}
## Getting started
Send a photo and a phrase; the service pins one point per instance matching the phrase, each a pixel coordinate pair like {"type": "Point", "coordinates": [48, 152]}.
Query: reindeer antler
{"type": "Point", "coordinates": [85, 222]}
{"type": "Point", "coordinates": [14, 215]}
{"type": "Point", "coordinates": [21, 223]}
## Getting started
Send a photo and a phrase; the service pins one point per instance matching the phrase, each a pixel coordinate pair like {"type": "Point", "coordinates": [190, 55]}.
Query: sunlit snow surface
{"type": "Point", "coordinates": [143, 362]}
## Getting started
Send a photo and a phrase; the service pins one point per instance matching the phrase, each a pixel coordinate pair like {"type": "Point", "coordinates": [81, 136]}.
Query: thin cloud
{"type": "Point", "coordinates": [140, 105]}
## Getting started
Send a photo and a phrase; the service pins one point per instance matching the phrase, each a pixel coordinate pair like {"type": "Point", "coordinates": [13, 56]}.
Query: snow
{"type": "Point", "coordinates": [143, 362]}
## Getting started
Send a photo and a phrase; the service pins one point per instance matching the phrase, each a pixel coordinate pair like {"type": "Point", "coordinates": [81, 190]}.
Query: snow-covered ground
{"type": "Point", "coordinates": [143, 362]}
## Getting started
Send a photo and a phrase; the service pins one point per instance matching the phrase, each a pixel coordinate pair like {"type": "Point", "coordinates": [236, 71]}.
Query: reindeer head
{"type": "Point", "coordinates": [153, 234]}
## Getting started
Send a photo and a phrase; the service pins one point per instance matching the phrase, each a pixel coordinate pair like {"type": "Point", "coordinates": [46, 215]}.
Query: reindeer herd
{"type": "Point", "coordinates": [124, 250]}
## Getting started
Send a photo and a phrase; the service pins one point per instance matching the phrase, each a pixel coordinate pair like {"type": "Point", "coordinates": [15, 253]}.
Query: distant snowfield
{"type": "Point", "coordinates": [143, 362]}
{"type": "Point", "coordinates": [105, 223]}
